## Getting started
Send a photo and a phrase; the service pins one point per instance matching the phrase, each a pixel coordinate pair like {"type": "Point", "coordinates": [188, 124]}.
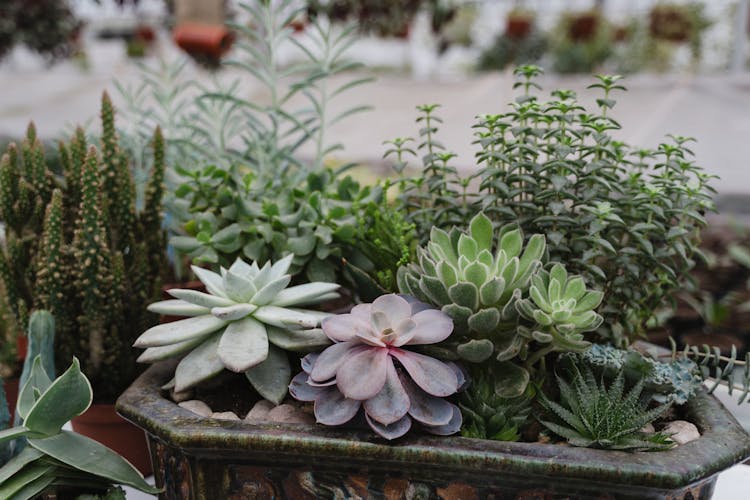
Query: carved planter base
{"type": "Point", "coordinates": [198, 458]}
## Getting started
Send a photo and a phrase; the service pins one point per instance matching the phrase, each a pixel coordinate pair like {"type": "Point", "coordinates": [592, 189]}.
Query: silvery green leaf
{"type": "Point", "coordinates": [442, 239]}
{"type": "Point", "coordinates": [477, 273]}
{"type": "Point", "coordinates": [481, 231]}
{"type": "Point", "coordinates": [434, 289]}
{"type": "Point", "coordinates": [533, 253]}
{"type": "Point", "coordinates": [184, 243]}
{"type": "Point", "coordinates": [308, 293]}
{"type": "Point", "coordinates": [38, 380]}
{"type": "Point", "coordinates": [213, 281]}
{"type": "Point", "coordinates": [268, 293]}
{"type": "Point", "coordinates": [242, 268]}
{"type": "Point", "coordinates": [465, 294]}
{"type": "Point", "coordinates": [15, 464]}
{"type": "Point", "coordinates": [459, 314]}
{"type": "Point", "coordinates": [200, 364]}
{"type": "Point", "coordinates": [446, 273]}
{"type": "Point", "coordinates": [509, 348]}
{"type": "Point", "coordinates": [179, 331]}
{"type": "Point", "coordinates": [491, 291]}
{"type": "Point", "coordinates": [428, 266]}
{"type": "Point", "coordinates": [68, 396]}
{"type": "Point", "coordinates": [485, 257]}
{"type": "Point", "coordinates": [154, 354]}
{"type": "Point", "coordinates": [298, 340]}
{"type": "Point", "coordinates": [200, 298]}
{"type": "Point", "coordinates": [541, 337]}
{"type": "Point", "coordinates": [589, 301]}
{"type": "Point", "coordinates": [525, 308]}
{"type": "Point", "coordinates": [542, 318]}
{"type": "Point", "coordinates": [263, 276]}
{"type": "Point", "coordinates": [510, 379]}
{"type": "Point", "coordinates": [558, 273]}
{"type": "Point", "coordinates": [575, 288]}
{"type": "Point", "coordinates": [540, 298]}
{"type": "Point", "coordinates": [238, 288]}
{"type": "Point", "coordinates": [28, 483]}
{"type": "Point", "coordinates": [177, 307]}
{"type": "Point", "coordinates": [233, 313]}
{"type": "Point", "coordinates": [476, 350]}
{"type": "Point", "coordinates": [561, 316]}
{"type": "Point", "coordinates": [281, 267]}
{"type": "Point", "coordinates": [271, 378]}
{"type": "Point", "coordinates": [283, 317]}
{"type": "Point", "coordinates": [554, 290]}
{"type": "Point", "coordinates": [511, 242]}
{"type": "Point", "coordinates": [467, 247]}
{"type": "Point", "coordinates": [243, 345]}
{"type": "Point", "coordinates": [484, 321]}
{"type": "Point", "coordinates": [510, 271]}
{"type": "Point", "coordinates": [89, 456]}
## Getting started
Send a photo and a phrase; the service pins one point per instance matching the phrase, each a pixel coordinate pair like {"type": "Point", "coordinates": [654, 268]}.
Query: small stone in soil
{"type": "Point", "coordinates": [648, 428]}
{"type": "Point", "coordinates": [288, 414]}
{"type": "Point", "coordinates": [225, 415]}
{"type": "Point", "coordinates": [179, 397]}
{"type": "Point", "coordinates": [197, 407]}
{"type": "Point", "coordinates": [682, 431]}
{"type": "Point", "coordinates": [259, 411]}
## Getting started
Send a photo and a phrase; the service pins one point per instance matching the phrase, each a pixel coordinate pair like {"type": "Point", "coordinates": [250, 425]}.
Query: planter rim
{"type": "Point", "coordinates": [723, 443]}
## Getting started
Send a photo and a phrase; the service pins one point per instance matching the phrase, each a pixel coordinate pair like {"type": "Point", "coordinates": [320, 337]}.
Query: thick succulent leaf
{"type": "Point", "coordinates": [242, 268]}
{"type": "Point", "coordinates": [491, 291]}
{"type": "Point", "coordinates": [589, 301]}
{"type": "Point", "coordinates": [200, 364]}
{"type": "Point", "coordinates": [263, 276]}
{"type": "Point", "coordinates": [87, 455]}
{"type": "Point", "coordinates": [433, 376]}
{"type": "Point", "coordinates": [268, 293]}
{"type": "Point", "coordinates": [510, 379]}
{"type": "Point", "coordinates": [393, 431]}
{"type": "Point", "coordinates": [452, 427]}
{"type": "Point", "coordinates": [363, 374]}
{"type": "Point", "coordinates": [532, 254]}
{"type": "Point", "coordinates": [392, 402]}
{"type": "Point", "coordinates": [154, 354]}
{"type": "Point", "coordinates": [511, 242]}
{"type": "Point", "coordinates": [554, 291]}
{"type": "Point", "coordinates": [435, 290]}
{"type": "Point", "coordinates": [213, 281]}
{"type": "Point", "coordinates": [542, 318]}
{"type": "Point", "coordinates": [510, 270]}
{"type": "Point", "coordinates": [179, 331]}
{"type": "Point", "coordinates": [558, 273]}
{"type": "Point", "coordinates": [281, 267]}
{"type": "Point", "coordinates": [332, 408]}
{"type": "Point", "coordinates": [15, 464]}
{"type": "Point", "coordinates": [509, 348]}
{"type": "Point", "coordinates": [477, 273]}
{"type": "Point", "coordinates": [239, 288]}
{"type": "Point", "coordinates": [271, 377]}
{"type": "Point", "coordinates": [465, 294]}
{"type": "Point", "coordinates": [467, 247]}
{"type": "Point", "coordinates": [302, 391]}
{"type": "Point", "coordinates": [176, 307]}
{"type": "Point", "coordinates": [460, 316]}
{"type": "Point", "coordinates": [283, 317]}
{"type": "Point", "coordinates": [541, 337]}
{"type": "Point", "coordinates": [446, 273]}
{"type": "Point", "coordinates": [442, 240]}
{"type": "Point", "coordinates": [431, 326]}
{"type": "Point", "coordinates": [308, 293]}
{"type": "Point", "coordinates": [68, 396]}
{"type": "Point", "coordinates": [476, 350]}
{"type": "Point", "coordinates": [37, 382]}
{"type": "Point", "coordinates": [243, 344]}
{"type": "Point", "coordinates": [485, 321]}
{"type": "Point", "coordinates": [540, 298]}
{"type": "Point", "coordinates": [329, 361]}
{"type": "Point", "coordinates": [574, 288]}
{"type": "Point", "coordinates": [424, 408]}
{"type": "Point", "coordinates": [235, 312]}
{"type": "Point", "coordinates": [525, 308]}
{"type": "Point", "coordinates": [199, 298]}
{"type": "Point", "coordinates": [13, 433]}
{"type": "Point", "coordinates": [344, 327]}
{"type": "Point", "coordinates": [426, 263]}
{"type": "Point", "coordinates": [297, 340]}
{"type": "Point", "coordinates": [402, 282]}
{"type": "Point", "coordinates": [481, 231]}
{"type": "Point", "coordinates": [393, 307]}
{"type": "Point", "coordinates": [28, 482]}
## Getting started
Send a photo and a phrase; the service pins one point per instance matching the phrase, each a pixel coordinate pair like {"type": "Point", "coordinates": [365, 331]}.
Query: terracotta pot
{"type": "Point", "coordinates": [518, 27]}
{"type": "Point", "coordinates": [207, 40]}
{"type": "Point", "coordinates": [102, 423]}
{"type": "Point", "coordinates": [11, 394]}
{"type": "Point", "coordinates": [583, 26]}
{"type": "Point", "coordinates": [22, 347]}
{"type": "Point", "coordinates": [670, 23]}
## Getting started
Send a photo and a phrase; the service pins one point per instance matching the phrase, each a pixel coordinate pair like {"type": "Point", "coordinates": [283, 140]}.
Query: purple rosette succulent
{"type": "Point", "coordinates": [371, 367]}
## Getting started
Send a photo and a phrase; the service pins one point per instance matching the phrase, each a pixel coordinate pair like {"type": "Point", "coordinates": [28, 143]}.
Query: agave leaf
{"type": "Point", "coordinates": [200, 364]}
{"type": "Point", "coordinates": [176, 307]}
{"type": "Point", "coordinates": [243, 344]}
{"type": "Point", "coordinates": [13, 433]}
{"type": "Point", "coordinates": [68, 396]}
{"type": "Point", "coordinates": [179, 331]}
{"type": "Point", "coordinates": [271, 378]}
{"type": "Point", "coordinates": [308, 293]}
{"type": "Point", "coordinates": [566, 415]}
{"type": "Point", "coordinates": [89, 456]}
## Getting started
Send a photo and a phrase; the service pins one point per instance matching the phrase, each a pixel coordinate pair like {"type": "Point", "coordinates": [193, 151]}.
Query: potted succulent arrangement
{"type": "Point", "coordinates": [581, 42]}
{"type": "Point", "coordinates": [674, 23]}
{"type": "Point", "coordinates": [500, 312]}
{"type": "Point", "coordinates": [77, 246]}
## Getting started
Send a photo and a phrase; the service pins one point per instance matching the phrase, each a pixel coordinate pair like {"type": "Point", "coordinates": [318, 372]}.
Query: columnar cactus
{"type": "Point", "coordinates": [77, 247]}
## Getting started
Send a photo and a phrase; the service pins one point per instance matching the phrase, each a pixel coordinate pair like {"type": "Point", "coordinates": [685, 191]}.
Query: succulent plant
{"type": "Point", "coordinates": [459, 273]}
{"type": "Point", "coordinates": [55, 457]}
{"type": "Point", "coordinates": [596, 416]}
{"type": "Point", "coordinates": [561, 308]}
{"type": "Point", "coordinates": [245, 323]}
{"type": "Point", "coordinates": [370, 367]}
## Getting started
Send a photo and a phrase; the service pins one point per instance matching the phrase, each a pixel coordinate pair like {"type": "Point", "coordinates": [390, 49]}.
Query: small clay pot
{"type": "Point", "coordinates": [203, 40]}
{"type": "Point", "coordinates": [102, 423]}
{"type": "Point", "coordinates": [670, 23]}
{"type": "Point", "coordinates": [22, 347]}
{"type": "Point", "coordinates": [518, 27]}
{"type": "Point", "coordinates": [583, 26]}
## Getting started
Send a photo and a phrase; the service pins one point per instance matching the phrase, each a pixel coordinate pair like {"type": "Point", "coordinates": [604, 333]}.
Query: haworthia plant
{"type": "Point", "coordinates": [245, 323]}
{"type": "Point", "coordinates": [55, 457]}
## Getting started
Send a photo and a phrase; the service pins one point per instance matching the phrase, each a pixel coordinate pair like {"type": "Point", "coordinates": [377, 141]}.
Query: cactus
{"type": "Point", "coordinates": [78, 247]}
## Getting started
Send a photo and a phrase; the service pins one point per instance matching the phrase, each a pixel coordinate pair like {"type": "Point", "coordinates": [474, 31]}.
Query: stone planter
{"type": "Point", "coordinates": [198, 458]}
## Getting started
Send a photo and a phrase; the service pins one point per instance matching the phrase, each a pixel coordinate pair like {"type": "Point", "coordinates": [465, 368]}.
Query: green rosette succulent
{"type": "Point", "coordinates": [476, 287]}
{"type": "Point", "coordinates": [245, 323]}
{"type": "Point", "coordinates": [561, 308]}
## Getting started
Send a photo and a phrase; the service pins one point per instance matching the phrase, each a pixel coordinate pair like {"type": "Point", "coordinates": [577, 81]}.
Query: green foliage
{"type": "Point", "coordinates": [727, 370]}
{"type": "Point", "coordinates": [54, 457]}
{"type": "Point", "coordinates": [76, 246]}
{"type": "Point", "coordinates": [489, 416]}
{"type": "Point", "coordinates": [48, 27]}
{"type": "Point", "coordinates": [592, 415]}
{"type": "Point", "coordinates": [627, 220]}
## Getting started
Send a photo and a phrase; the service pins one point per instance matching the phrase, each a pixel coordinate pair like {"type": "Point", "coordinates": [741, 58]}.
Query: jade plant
{"type": "Point", "coordinates": [245, 323]}
{"type": "Point", "coordinates": [78, 246]}
{"type": "Point", "coordinates": [54, 460]}
{"type": "Point", "coordinates": [371, 366]}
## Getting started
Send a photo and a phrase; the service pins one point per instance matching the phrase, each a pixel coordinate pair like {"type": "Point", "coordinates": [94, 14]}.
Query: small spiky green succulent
{"type": "Point", "coordinates": [477, 288]}
{"type": "Point", "coordinates": [593, 415]}
{"type": "Point", "coordinates": [562, 309]}
{"type": "Point", "coordinates": [244, 323]}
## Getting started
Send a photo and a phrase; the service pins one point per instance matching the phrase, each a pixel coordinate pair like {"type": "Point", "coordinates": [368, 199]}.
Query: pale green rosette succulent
{"type": "Point", "coordinates": [476, 286]}
{"type": "Point", "coordinates": [245, 323]}
{"type": "Point", "coordinates": [561, 308]}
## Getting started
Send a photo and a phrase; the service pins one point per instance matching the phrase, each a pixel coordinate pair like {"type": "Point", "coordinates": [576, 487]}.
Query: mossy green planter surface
{"type": "Point", "coordinates": [200, 458]}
